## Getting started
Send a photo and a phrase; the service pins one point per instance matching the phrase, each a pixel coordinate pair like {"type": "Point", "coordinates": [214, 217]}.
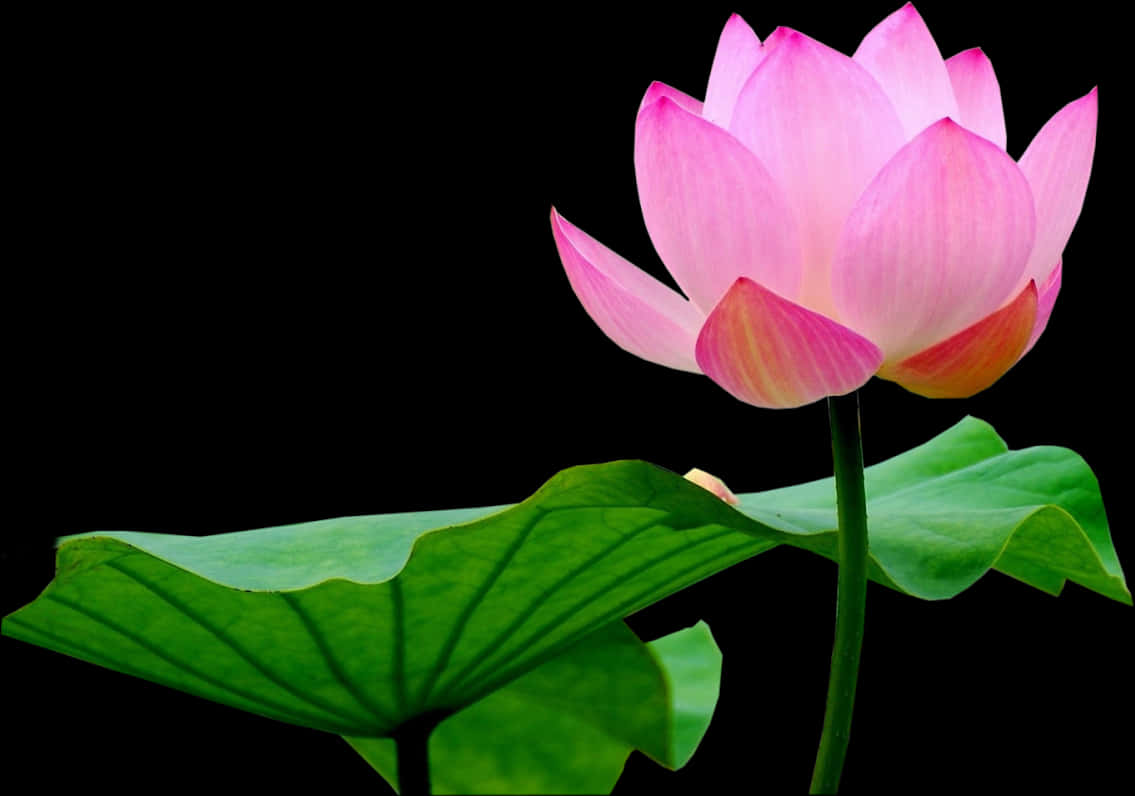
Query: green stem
{"type": "Point", "coordinates": [851, 592]}
{"type": "Point", "coordinates": [412, 740]}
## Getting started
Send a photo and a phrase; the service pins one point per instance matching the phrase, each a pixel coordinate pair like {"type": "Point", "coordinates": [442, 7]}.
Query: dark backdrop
{"type": "Point", "coordinates": [287, 266]}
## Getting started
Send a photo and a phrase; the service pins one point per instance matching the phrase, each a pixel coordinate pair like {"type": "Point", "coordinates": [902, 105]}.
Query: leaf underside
{"type": "Point", "coordinates": [355, 625]}
{"type": "Point", "coordinates": [569, 725]}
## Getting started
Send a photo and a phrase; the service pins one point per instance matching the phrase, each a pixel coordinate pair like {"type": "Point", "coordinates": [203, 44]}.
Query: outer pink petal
{"type": "Point", "coordinates": [657, 90]}
{"type": "Point", "coordinates": [1045, 302]}
{"type": "Point", "coordinates": [978, 94]}
{"type": "Point", "coordinates": [738, 53]}
{"type": "Point", "coordinates": [901, 54]}
{"type": "Point", "coordinates": [711, 208]}
{"type": "Point", "coordinates": [635, 310]}
{"type": "Point", "coordinates": [937, 241]}
{"type": "Point", "coordinates": [773, 353]}
{"type": "Point", "coordinates": [973, 359]}
{"type": "Point", "coordinates": [1057, 164]}
{"type": "Point", "coordinates": [823, 127]}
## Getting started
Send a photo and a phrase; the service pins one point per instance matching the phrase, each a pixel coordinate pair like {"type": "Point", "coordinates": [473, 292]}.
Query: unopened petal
{"type": "Point", "coordinates": [938, 241]}
{"type": "Point", "coordinates": [823, 127]}
{"type": "Point", "coordinates": [638, 312]}
{"type": "Point", "coordinates": [1057, 165]}
{"type": "Point", "coordinates": [978, 94]}
{"type": "Point", "coordinates": [657, 90]}
{"type": "Point", "coordinates": [738, 53]}
{"type": "Point", "coordinates": [712, 484]}
{"type": "Point", "coordinates": [973, 359]}
{"type": "Point", "coordinates": [901, 54]}
{"type": "Point", "coordinates": [773, 353]}
{"type": "Point", "coordinates": [711, 208]}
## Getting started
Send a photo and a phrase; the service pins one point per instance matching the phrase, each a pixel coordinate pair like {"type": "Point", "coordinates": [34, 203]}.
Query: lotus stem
{"type": "Point", "coordinates": [413, 742]}
{"type": "Point", "coordinates": [851, 591]}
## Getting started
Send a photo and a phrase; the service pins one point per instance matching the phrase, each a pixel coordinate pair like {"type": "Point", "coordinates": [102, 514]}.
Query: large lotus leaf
{"type": "Point", "coordinates": [569, 725]}
{"type": "Point", "coordinates": [354, 626]}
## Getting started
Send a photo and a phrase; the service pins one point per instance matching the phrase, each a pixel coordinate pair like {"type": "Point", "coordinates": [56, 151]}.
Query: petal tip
{"type": "Point", "coordinates": [971, 53]}
{"type": "Point", "coordinates": [654, 92]}
{"type": "Point", "coordinates": [948, 128]}
{"type": "Point", "coordinates": [905, 15]}
{"type": "Point", "coordinates": [785, 35]}
{"type": "Point", "coordinates": [657, 91]}
{"type": "Point", "coordinates": [556, 219]}
{"type": "Point", "coordinates": [1087, 101]}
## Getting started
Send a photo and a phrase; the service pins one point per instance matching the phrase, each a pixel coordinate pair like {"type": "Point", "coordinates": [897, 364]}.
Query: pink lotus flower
{"type": "Point", "coordinates": [833, 218]}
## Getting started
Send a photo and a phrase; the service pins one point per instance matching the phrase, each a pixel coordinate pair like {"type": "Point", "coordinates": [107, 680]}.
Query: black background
{"type": "Point", "coordinates": [287, 266]}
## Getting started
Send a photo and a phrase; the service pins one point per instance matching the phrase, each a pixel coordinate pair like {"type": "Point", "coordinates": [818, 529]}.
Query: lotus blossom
{"type": "Point", "coordinates": [830, 218]}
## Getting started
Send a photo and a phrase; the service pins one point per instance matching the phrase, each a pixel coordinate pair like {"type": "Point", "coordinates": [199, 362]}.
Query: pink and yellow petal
{"type": "Point", "coordinates": [639, 313]}
{"type": "Point", "coordinates": [937, 241]}
{"type": "Point", "coordinates": [712, 210]}
{"type": "Point", "coordinates": [901, 55]}
{"type": "Point", "coordinates": [973, 359]}
{"type": "Point", "coordinates": [978, 94]}
{"type": "Point", "coordinates": [801, 113]}
{"type": "Point", "coordinates": [773, 353]}
{"type": "Point", "coordinates": [739, 51]}
{"type": "Point", "coordinates": [1057, 165]}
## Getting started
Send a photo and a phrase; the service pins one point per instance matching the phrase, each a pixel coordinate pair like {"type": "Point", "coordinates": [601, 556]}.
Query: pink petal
{"type": "Point", "coordinates": [823, 127]}
{"type": "Point", "coordinates": [1045, 302]}
{"type": "Point", "coordinates": [635, 310]}
{"type": "Point", "coordinates": [738, 53]}
{"type": "Point", "coordinates": [773, 353]}
{"type": "Point", "coordinates": [1057, 165]}
{"type": "Point", "coordinates": [938, 241]}
{"type": "Point", "coordinates": [974, 358]}
{"type": "Point", "coordinates": [901, 54]}
{"type": "Point", "coordinates": [711, 208]}
{"type": "Point", "coordinates": [657, 90]}
{"type": "Point", "coordinates": [979, 95]}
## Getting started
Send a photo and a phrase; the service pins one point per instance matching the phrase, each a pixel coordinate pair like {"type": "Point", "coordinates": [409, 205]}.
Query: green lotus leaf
{"type": "Point", "coordinates": [569, 725]}
{"type": "Point", "coordinates": [356, 626]}
{"type": "Point", "coordinates": [943, 514]}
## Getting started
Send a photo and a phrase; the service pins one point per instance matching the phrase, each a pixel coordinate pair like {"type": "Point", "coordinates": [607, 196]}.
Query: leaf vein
{"type": "Point", "coordinates": [534, 606]}
{"type": "Point", "coordinates": [550, 626]}
{"type": "Point", "coordinates": [470, 607]}
{"type": "Point", "coordinates": [232, 644]}
{"type": "Point", "coordinates": [333, 664]}
{"type": "Point", "coordinates": [273, 708]}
